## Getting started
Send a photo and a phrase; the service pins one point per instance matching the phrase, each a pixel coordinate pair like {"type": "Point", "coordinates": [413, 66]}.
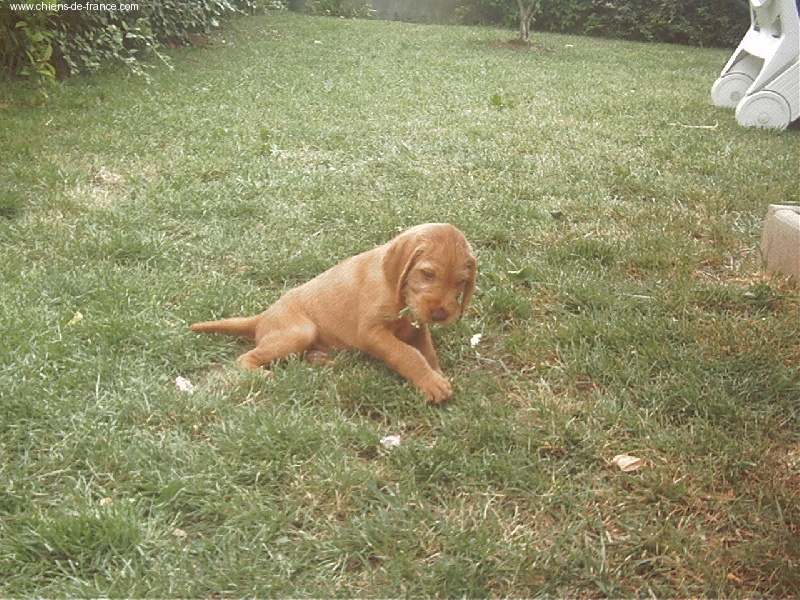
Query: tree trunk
{"type": "Point", "coordinates": [524, 29]}
{"type": "Point", "coordinates": [525, 18]}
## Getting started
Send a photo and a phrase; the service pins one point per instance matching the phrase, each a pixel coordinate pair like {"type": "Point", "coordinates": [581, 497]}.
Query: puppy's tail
{"type": "Point", "coordinates": [242, 326]}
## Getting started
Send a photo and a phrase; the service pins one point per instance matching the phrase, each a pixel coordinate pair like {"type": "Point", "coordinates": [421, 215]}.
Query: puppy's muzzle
{"type": "Point", "coordinates": [439, 315]}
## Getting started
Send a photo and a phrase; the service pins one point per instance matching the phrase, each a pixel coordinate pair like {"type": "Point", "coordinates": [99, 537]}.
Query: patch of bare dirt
{"type": "Point", "coordinates": [518, 44]}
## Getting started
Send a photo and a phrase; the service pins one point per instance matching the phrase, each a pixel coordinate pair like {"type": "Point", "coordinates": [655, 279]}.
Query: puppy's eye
{"type": "Point", "coordinates": [428, 274]}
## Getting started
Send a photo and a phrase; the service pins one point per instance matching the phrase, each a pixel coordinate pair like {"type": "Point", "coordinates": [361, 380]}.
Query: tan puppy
{"type": "Point", "coordinates": [380, 302]}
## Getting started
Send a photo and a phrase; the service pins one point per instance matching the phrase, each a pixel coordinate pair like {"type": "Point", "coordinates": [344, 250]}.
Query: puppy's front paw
{"type": "Point", "coordinates": [437, 388]}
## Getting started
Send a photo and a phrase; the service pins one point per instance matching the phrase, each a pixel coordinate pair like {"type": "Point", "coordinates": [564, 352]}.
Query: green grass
{"type": "Point", "coordinates": [621, 303]}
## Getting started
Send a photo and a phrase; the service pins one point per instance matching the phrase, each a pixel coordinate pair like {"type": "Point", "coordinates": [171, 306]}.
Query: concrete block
{"type": "Point", "coordinates": [780, 240]}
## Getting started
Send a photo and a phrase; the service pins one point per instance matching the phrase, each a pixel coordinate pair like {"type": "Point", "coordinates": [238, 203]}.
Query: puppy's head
{"type": "Point", "coordinates": [433, 269]}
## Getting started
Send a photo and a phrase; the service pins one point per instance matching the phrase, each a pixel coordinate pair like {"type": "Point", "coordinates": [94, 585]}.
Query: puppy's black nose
{"type": "Point", "coordinates": [439, 315]}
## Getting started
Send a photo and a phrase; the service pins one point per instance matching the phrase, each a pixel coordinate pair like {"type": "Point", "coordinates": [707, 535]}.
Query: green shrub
{"type": "Point", "coordinates": [171, 20]}
{"type": "Point", "coordinates": [84, 40]}
{"type": "Point", "coordinates": [88, 40]}
{"type": "Point", "coordinates": [352, 9]}
{"type": "Point", "coordinates": [709, 23]}
{"type": "Point", "coordinates": [487, 12]}
{"type": "Point", "coordinates": [26, 43]}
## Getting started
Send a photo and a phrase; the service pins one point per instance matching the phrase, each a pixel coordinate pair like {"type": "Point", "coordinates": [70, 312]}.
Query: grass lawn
{"type": "Point", "coordinates": [616, 215]}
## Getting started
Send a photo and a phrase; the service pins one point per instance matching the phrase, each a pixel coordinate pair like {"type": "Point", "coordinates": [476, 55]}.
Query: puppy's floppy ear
{"type": "Point", "coordinates": [400, 257]}
{"type": "Point", "coordinates": [469, 289]}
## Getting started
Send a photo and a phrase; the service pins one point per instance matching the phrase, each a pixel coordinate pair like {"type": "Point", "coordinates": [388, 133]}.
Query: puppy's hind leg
{"type": "Point", "coordinates": [278, 342]}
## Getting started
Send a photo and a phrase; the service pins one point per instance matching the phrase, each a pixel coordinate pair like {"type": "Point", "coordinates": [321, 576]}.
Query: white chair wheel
{"type": "Point", "coordinates": [764, 109]}
{"type": "Point", "coordinates": [729, 89]}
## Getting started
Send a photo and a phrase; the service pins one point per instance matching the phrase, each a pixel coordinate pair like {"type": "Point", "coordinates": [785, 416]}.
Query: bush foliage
{"type": "Point", "coordinates": [47, 43]}
{"type": "Point", "coordinates": [352, 9]}
{"type": "Point", "coordinates": [26, 42]}
{"type": "Point", "coordinates": [706, 23]}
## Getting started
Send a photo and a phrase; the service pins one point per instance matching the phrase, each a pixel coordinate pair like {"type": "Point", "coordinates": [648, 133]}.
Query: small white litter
{"type": "Point", "coordinates": [184, 385]}
{"type": "Point", "coordinates": [391, 441]}
{"type": "Point", "coordinates": [627, 463]}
